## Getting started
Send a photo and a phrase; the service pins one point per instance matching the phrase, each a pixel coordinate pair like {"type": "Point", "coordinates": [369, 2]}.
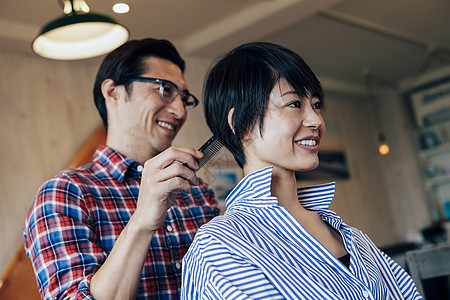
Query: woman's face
{"type": "Point", "coordinates": [291, 132]}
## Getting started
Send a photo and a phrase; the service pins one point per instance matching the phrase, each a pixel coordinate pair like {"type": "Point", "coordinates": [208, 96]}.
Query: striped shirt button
{"type": "Point", "coordinates": [366, 294]}
{"type": "Point", "coordinates": [169, 228]}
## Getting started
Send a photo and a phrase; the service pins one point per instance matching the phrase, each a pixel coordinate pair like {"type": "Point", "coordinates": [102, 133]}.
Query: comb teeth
{"type": "Point", "coordinates": [209, 149]}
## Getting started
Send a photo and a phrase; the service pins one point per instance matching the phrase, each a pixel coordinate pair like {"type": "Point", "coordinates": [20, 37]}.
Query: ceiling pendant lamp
{"type": "Point", "coordinates": [79, 34]}
{"type": "Point", "coordinates": [383, 147]}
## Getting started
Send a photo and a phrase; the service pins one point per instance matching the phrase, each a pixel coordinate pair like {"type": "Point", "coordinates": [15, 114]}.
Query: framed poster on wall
{"type": "Point", "coordinates": [431, 103]}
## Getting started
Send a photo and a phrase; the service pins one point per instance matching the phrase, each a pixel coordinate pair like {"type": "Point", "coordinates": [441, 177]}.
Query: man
{"type": "Point", "coordinates": [118, 227]}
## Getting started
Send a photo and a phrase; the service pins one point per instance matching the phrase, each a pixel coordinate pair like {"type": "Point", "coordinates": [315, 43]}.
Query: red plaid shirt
{"type": "Point", "coordinates": [78, 215]}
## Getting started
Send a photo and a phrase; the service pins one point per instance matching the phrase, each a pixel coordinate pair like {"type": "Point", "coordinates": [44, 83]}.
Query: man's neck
{"type": "Point", "coordinates": [134, 151]}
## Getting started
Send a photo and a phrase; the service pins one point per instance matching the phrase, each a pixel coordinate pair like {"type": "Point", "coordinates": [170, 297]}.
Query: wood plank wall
{"type": "Point", "coordinates": [46, 113]}
{"type": "Point", "coordinates": [18, 281]}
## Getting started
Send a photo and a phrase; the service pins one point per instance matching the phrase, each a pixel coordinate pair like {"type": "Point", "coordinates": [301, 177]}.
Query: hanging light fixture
{"type": "Point", "coordinates": [79, 34]}
{"type": "Point", "coordinates": [383, 147]}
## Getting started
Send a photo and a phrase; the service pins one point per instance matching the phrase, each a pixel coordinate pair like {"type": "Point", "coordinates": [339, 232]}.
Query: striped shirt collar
{"type": "Point", "coordinates": [254, 190]}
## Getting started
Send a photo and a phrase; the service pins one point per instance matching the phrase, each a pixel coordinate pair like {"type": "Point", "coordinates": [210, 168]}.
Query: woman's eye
{"type": "Point", "coordinates": [318, 105]}
{"type": "Point", "coordinates": [295, 104]}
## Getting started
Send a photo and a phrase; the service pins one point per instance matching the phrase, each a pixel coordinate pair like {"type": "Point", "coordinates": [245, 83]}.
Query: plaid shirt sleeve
{"type": "Point", "coordinates": [60, 241]}
{"type": "Point", "coordinates": [78, 215]}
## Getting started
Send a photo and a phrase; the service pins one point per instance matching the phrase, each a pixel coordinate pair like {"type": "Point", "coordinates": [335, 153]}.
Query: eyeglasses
{"type": "Point", "coordinates": [168, 91]}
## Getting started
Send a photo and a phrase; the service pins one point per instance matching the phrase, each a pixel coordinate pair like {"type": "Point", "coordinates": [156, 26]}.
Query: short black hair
{"type": "Point", "coordinates": [243, 80]}
{"type": "Point", "coordinates": [127, 61]}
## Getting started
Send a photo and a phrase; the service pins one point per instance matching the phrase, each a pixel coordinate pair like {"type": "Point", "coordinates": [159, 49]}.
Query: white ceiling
{"type": "Point", "coordinates": [394, 39]}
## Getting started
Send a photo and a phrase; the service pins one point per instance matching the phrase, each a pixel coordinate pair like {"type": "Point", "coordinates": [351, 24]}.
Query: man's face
{"type": "Point", "coordinates": [149, 122]}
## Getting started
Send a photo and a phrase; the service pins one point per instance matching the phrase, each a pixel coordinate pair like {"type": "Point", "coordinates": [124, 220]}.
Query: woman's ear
{"type": "Point", "coordinates": [110, 92]}
{"type": "Point", "coordinates": [230, 119]}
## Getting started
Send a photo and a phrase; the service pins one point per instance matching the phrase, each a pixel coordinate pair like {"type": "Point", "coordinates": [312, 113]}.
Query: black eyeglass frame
{"type": "Point", "coordinates": [161, 82]}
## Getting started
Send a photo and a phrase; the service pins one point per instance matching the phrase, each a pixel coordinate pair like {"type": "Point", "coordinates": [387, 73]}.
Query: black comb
{"type": "Point", "coordinates": [209, 149]}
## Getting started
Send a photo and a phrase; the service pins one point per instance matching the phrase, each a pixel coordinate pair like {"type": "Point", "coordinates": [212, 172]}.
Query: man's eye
{"type": "Point", "coordinates": [167, 90]}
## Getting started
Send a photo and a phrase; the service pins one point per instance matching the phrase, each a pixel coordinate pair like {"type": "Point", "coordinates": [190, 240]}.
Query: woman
{"type": "Point", "coordinates": [264, 104]}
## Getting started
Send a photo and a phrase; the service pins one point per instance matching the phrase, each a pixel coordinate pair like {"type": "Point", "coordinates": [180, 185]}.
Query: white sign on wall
{"type": "Point", "coordinates": [431, 104]}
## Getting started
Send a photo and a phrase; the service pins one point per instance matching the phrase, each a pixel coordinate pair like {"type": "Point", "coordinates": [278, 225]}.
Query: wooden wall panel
{"type": "Point", "coordinates": [18, 281]}
{"type": "Point", "coordinates": [46, 114]}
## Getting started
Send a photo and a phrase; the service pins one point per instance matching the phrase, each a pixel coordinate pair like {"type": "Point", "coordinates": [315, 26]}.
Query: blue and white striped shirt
{"type": "Point", "coordinates": [258, 250]}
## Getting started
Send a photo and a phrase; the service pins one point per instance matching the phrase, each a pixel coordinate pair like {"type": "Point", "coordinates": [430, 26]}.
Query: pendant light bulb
{"type": "Point", "coordinates": [383, 147]}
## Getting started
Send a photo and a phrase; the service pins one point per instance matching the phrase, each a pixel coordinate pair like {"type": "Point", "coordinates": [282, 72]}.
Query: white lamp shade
{"type": "Point", "coordinates": [79, 40]}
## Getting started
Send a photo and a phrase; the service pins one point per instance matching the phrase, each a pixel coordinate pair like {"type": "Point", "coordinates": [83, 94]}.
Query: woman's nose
{"type": "Point", "coordinates": [312, 119]}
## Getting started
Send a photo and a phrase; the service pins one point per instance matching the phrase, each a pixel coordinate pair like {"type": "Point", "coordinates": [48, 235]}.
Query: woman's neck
{"type": "Point", "coordinates": [283, 186]}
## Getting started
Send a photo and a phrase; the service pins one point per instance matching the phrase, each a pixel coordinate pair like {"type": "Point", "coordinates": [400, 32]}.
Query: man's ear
{"type": "Point", "coordinates": [110, 92]}
{"type": "Point", "coordinates": [230, 119]}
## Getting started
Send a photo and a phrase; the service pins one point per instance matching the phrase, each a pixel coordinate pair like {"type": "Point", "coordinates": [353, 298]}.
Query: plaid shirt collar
{"type": "Point", "coordinates": [114, 162]}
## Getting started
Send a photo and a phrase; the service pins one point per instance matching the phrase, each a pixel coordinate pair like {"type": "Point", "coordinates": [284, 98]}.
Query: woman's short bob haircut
{"type": "Point", "coordinates": [243, 80]}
